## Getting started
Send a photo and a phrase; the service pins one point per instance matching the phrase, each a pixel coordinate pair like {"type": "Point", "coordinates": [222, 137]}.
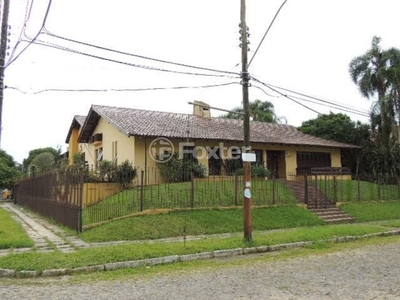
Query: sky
{"type": "Point", "coordinates": [308, 49]}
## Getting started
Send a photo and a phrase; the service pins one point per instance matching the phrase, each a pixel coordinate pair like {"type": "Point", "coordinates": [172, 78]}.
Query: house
{"type": "Point", "coordinates": [143, 136]}
{"type": "Point", "coordinates": [72, 141]}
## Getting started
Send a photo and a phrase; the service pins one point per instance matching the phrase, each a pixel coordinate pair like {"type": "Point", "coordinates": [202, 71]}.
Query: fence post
{"type": "Point", "coordinates": [316, 191]}
{"type": "Point", "coordinates": [273, 189]}
{"type": "Point", "coordinates": [379, 188]}
{"type": "Point", "coordinates": [334, 189]}
{"type": "Point", "coordinates": [81, 202]}
{"type": "Point", "coordinates": [237, 186]}
{"type": "Point", "coordinates": [358, 188]}
{"type": "Point", "coordinates": [306, 190]}
{"type": "Point", "coordinates": [192, 190]}
{"type": "Point", "coordinates": [142, 191]}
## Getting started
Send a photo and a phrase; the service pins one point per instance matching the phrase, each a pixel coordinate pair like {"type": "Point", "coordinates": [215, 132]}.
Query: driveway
{"type": "Point", "coordinates": [366, 273]}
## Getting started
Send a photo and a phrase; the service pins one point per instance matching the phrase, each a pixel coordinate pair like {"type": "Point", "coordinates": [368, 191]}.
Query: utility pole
{"type": "Point", "coordinates": [248, 228]}
{"type": "Point", "coordinates": [3, 53]}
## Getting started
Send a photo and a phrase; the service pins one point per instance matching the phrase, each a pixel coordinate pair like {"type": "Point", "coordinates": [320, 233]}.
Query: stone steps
{"type": "Point", "coordinates": [333, 215]}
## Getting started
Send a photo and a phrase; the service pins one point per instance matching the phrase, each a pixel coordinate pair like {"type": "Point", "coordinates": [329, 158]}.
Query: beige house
{"type": "Point", "coordinates": [143, 136]}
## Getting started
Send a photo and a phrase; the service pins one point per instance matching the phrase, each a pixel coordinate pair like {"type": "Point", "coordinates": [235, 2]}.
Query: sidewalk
{"type": "Point", "coordinates": [46, 236]}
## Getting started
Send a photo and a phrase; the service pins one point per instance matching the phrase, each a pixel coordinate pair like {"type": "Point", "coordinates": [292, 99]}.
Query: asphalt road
{"type": "Point", "coordinates": [371, 272]}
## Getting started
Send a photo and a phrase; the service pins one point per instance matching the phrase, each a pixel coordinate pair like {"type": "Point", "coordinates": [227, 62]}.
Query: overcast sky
{"type": "Point", "coordinates": [308, 50]}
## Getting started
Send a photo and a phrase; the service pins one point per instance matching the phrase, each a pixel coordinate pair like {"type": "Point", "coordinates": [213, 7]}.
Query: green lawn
{"type": "Point", "coordinates": [207, 194]}
{"type": "Point", "coordinates": [195, 222]}
{"type": "Point", "coordinates": [94, 256]}
{"type": "Point", "coordinates": [12, 235]}
{"type": "Point", "coordinates": [352, 191]}
{"type": "Point", "coordinates": [373, 211]}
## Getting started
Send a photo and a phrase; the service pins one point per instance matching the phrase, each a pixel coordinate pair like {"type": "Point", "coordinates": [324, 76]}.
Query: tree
{"type": "Point", "coordinates": [339, 127]}
{"type": "Point", "coordinates": [33, 153]}
{"type": "Point", "coordinates": [376, 74]}
{"type": "Point", "coordinates": [259, 111]}
{"type": "Point", "coordinates": [44, 162]}
{"type": "Point", "coordinates": [8, 170]}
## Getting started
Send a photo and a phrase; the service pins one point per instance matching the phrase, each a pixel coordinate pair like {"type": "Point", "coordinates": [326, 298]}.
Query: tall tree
{"type": "Point", "coordinates": [377, 74]}
{"type": "Point", "coordinates": [35, 152]}
{"type": "Point", "coordinates": [8, 170]}
{"type": "Point", "coordinates": [259, 111]}
{"type": "Point", "coordinates": [339, 127]}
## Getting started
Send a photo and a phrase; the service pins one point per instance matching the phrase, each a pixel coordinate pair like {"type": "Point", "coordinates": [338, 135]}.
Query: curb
{"type": "Point", "coordinates": [182, 258]}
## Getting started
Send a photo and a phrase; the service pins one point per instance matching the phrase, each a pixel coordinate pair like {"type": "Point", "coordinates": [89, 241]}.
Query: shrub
{"type": "Point", "coordinates": [179, 170]}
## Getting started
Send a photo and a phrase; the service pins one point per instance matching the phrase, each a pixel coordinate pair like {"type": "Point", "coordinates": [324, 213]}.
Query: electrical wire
{"type": "Point", "coordinates": [36, 36]}
{"type": "Point", "coordinates": [266, 32]}
{"type": "Point", "coordinates": [319, 99]}
{"type": "Point", "coordinates": [28, 11]}
{"type": "Point", "coordinates": [46, 31]}
{"type": "Point", "coordinates": [286, 96]}
{"type": "Point", "coordinates": [55, 46]}
{"type": "Point", "coordinates": [122, 90]}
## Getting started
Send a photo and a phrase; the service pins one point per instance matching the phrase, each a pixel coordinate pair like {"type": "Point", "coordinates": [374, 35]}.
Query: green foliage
{"type": "Point", "coordinates": [44, 162]}
{"type": "Point", "coordinates": [177, 169]}
{"type": "Point", "coordinates": [9, 171]}
{"type": "Point", "coordinates": [33, 153]}
{"type": "Point", "coordinates": [232, 166]}
{"type": "Point", "coordinates": [125, 173]}
{"type": "Point", "coordinates": [257, 171]}
{"type": "Point", "coordinates": [259, 111]}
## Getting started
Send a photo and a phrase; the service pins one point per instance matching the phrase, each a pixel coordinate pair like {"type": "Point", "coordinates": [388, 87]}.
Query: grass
{"type": "Point", "coordinates": [12, 235]}
{"type": "Point", "coordinates": [196, 222]}
{"type": "Point", "coordinates": [373, 211]}
{"type": "Point", "coordinates": [94, 256]}
{"type": "Point", "coordinates": [352, 191]}
{"type": "Point", "coordinates": [209, 193]}
{"type": "Point", "coordinates": [209, 265]}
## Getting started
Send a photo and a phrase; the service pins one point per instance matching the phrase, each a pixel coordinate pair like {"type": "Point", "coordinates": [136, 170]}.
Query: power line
{"type": "Point", "coordinates": [46, 31]}
{"type": "Point", "coordinates": [122, 90]}
{"type": "Point", "coordinates": [58, 47]}
{"type": "Point", "coordinates": [338, 104]}
{"type": "Point", "coordinates": [36, 36]}
{"type": "Point", "coordinates": [28, 11]}
{"type": "Point", "coordinates": [266, 32]}
{"type": "Point", "coordinates": [286, 96]}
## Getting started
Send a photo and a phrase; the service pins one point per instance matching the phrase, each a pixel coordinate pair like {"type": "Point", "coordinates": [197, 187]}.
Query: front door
{"type": "Point", "coordinates": [276, 163]}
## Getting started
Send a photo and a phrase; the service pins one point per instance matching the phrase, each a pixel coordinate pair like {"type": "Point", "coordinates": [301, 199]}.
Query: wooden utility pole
{"type": "Point", "coordinates": [3, 53]}
{"type": "Point", "coordinates": [248, 228]}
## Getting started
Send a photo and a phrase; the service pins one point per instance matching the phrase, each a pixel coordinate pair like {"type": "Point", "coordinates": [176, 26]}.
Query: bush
{"type": "Point", "coordinates": [180, 170]}
{"type": "Point", "coordinates": [257, 171]}
{"type": "Point", "coordinates": [125, 173]}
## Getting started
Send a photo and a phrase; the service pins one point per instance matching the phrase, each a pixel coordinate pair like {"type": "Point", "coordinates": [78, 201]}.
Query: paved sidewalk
{"type": "Point", "coordinates": [46, 236]}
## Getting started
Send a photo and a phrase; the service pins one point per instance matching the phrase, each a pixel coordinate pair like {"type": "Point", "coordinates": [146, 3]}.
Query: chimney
{"type": "Point", "coordinates": [201, 109]}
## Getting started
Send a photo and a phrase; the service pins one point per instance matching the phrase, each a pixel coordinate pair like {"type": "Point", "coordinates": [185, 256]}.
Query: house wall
{"type": "Point", "coordinates": [125, 144]}
{"type": "Point", "coordinates": [144, 161]}
{"type": "Point", "coordinates": [73, 146]}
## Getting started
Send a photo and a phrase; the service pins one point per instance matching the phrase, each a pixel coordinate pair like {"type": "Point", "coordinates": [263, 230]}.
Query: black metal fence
{"type": "Point", "coordinates": [55, 195]}
{"type": "Point", "coordinates": [64, 196]}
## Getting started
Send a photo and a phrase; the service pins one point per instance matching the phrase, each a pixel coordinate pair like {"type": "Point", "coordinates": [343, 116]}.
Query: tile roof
{"type": "Point", "coordinates": [77, 122]}
{"type": "Point", "coordinates": [139, 122]}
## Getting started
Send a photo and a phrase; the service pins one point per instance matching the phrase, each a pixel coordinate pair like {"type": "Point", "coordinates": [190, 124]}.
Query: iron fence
{"type": "Point", "coordinates": [56, 195]}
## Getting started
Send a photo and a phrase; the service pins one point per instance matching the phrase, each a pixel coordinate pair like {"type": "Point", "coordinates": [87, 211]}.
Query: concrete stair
{"type": "Point", "coordinates": [332, 215]}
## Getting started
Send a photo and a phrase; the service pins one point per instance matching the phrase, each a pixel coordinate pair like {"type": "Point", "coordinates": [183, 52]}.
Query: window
{"type": "Point", "coordinates": [313, 159]}
{"type": "Point", "coordinates": [189, 153]}
{"type": "Point", "coordinates": [114, 149]}
{"type": "Point", "coordinates": [98, 153]}
{"type": "Point", "coordinates": [259, 157]}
